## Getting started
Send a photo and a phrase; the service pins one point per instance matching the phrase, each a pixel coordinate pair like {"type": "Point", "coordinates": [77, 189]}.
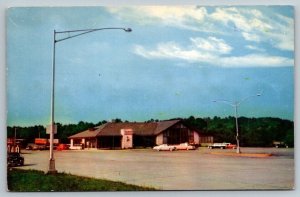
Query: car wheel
{"type": "Point", "coordinates": [222, 147]}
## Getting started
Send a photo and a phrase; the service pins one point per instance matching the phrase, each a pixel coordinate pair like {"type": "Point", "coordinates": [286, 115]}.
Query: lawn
{"type": "Point", "coordinates": [35, 181]}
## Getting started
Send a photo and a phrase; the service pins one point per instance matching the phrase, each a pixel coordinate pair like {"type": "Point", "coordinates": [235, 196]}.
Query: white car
{"type": "Point", "coordinates": [164, 147]}
{"type": "Point", "coordinates": [185, 146]}
{"type": "Point", "coordinates": [76, 147]}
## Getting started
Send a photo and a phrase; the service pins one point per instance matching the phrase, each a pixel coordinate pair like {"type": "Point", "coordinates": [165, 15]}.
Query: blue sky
{"type": "Point", "coordinates": [174, 63]}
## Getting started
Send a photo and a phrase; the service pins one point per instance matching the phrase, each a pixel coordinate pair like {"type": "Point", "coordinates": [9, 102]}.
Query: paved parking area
{"type": "Point", "coordinates": [177, 170]}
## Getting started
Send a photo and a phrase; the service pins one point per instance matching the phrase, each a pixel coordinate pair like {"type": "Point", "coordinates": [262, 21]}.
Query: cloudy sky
{"type": "Point", "coordinates": [174, 63]}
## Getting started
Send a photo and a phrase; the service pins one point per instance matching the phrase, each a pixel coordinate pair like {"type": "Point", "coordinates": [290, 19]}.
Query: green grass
{"type": "Point", "coordinates": [34, 181]}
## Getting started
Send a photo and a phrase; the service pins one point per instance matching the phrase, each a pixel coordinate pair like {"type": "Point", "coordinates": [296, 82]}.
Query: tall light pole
{"type": "Point", "coordinates": [235, 105]}
{"type": "Point", "coordinates": [71, 34]}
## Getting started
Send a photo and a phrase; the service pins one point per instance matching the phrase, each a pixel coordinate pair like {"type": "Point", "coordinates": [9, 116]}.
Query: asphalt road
{"type": "Point", "coordinates": [177, 170]}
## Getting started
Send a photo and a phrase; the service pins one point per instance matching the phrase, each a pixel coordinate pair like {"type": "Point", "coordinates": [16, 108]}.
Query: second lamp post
{"type": "Point", "coordinates": [235, 106]}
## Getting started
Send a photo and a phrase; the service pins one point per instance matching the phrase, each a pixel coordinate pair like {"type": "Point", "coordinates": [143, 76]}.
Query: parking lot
{"type": "Point", "coordinates": [176, 170]}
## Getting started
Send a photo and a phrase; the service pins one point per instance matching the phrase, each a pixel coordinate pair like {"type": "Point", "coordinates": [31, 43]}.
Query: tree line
{"type": "Point", "coordinates": [256, 132]}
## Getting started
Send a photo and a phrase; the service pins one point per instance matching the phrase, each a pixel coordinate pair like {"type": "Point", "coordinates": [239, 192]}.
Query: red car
{"type": "Point", "coordinates": [230, 146]}
{"type": "Point", "coordinates": [62, 147]}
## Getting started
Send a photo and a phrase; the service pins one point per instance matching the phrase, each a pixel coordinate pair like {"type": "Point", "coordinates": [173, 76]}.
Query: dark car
{"type": "Point", "coordinates": [280, 144]}
{"type": "Point", "coordinates": [14, 159]}
{"type": "Point", "coordinates": [32, 146]}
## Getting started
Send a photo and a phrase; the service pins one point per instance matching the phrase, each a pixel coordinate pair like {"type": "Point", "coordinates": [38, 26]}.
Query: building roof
{"type": "Point", "coordinates": [138, 128]}
{"type": "Point", "coordinates": [163, 125]}
{"type": "Point", "coordinates": [88, 133]}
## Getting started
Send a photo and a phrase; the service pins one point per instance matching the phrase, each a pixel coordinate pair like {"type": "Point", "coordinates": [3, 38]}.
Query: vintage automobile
{"type": "Point", "coordinates": [76, 147]}
{"type": "Point", "coordinates": [278, 144]}
{"type": "Point", "coordinates": [32, 146]}
{"type": "Point", "coordinates": [164, 147]}
{"type": "Point", "coordinates": [230, 146]}
{"type": "Point", "coordinates": [217, 145]}
{"type": "Point", "coordinates": [62, 147]}
{"type": "Point", "coordinates": [185, 146]}
{"type": "Point", "coordinates": [222, 145]}
{"type": "Point", "coordinates": [14, 159]}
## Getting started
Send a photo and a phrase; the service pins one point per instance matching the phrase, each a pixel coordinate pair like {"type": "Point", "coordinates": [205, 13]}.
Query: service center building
{"type": "Point", "coordinates": [125, 135]}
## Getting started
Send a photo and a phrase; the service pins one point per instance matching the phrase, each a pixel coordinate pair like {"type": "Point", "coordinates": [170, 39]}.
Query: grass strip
{"type": "Point", "coordinates": [37, 181]}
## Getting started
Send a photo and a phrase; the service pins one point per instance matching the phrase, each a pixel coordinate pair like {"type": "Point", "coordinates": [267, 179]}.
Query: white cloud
{"type": "Point", "coordinates": [212, 44]}
{"type": "Point", "coordinates": [174, 12]}
{"type": "Point", "coordinates": [233, 15]}
{"type": "Point", "coordinates": [276, 29]}
{"type": "Point", "coordinates": [251, 47]}
{"type": "Point", "coordinates": [253, 24]}
{"type": "Point", "coordinates": [178, 16]}
{"type": "Point", "coordinates": [206, 53]}
{"type": "Point", "coordinates": [256, 60]}
{"type": "Point", "coordinates": [256, 13]}
{"type": "Point", "coordinates": [171, 50]}
{"type": "Point", "coordinates": [243, 18]}
{"type": "Point", "coordinates": [251, 37]}
{"type": "Point", "coordinates": [283, 37]}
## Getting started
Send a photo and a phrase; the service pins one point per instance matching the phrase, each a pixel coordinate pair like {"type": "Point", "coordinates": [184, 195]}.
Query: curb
{"type": "Point", "coordinates": [259, 155]}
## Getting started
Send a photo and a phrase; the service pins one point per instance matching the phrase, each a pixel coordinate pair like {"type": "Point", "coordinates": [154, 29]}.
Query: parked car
{"type": "Point", "coordinates": [185, 146]}
{"type": "Point", "coordinates": [32, 146]}
{"type": "Point", "coordinates": [230, 146]}
{"type": "Point", "coordinates": [14, 159]}
{"type": "Point", "coordinates": [217, 145]}
{"type": "Point", "coordinates": [278, 144]}
{"type": "Point", "coordinates": [222, 145]}
{"type": "Point", "coordinates": [76, 147]}
{"type": "Point", "coordinates": [164, 147]}
{"type": "Point", "coordinates": [62, 147]}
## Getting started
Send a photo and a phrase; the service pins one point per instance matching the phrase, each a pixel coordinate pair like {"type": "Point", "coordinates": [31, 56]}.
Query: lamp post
{"type": "Point", "coordinates": [74, 33]}
{"type": "Point", "coordinates": [235, 105]}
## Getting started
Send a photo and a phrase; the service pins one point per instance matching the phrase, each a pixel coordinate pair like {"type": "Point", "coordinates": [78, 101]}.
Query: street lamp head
{"type": "Point", "coordinates": [259, 94]}
{"type": "Point", "coordinates": [128, 29]}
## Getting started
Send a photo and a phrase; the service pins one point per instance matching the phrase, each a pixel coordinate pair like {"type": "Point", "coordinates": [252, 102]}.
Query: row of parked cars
{"type": "Point", "coordinates": [182, 146]}
{"type": "Point", "coordinates": [186, 146]}
{"type": "Point", "coordinates": [32, 146]}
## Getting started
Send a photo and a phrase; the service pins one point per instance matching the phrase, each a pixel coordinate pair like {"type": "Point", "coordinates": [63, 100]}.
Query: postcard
{"type": "Point", "coordinates": [146, 98]}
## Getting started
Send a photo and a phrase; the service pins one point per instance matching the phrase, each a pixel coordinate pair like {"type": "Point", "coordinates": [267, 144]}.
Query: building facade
{"type": "Point", "coordinates": [135, 134]}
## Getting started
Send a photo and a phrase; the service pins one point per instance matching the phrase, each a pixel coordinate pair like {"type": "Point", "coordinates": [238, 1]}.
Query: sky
{"type": "Point", "coordinates": [176, 61]}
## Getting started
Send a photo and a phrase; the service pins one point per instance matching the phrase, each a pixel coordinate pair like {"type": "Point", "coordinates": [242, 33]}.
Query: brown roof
{"type": "Point", "coordinates": [88, 133]}
{"type": "Point", "coordinates": [139, 128]}
{"type": "Point", "coordinates": [163, 125]}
